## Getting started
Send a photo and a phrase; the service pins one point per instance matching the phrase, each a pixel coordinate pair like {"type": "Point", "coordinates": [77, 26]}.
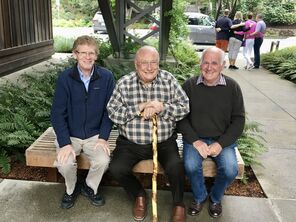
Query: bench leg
{"type": "Point", "coordinates": [52, 175]}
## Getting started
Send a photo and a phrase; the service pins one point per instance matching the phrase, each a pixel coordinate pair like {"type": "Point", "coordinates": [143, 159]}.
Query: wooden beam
{"type": "Point", "coordinates": [141, 14]}
{"type": "Point", "coordinates": [110, 25]}
{"type": "Point", "coordinates": [165, 25]}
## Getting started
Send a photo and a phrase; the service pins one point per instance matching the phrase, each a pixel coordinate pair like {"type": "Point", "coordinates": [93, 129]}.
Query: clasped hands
{"type": "Point", "coordinates": [149, 109]}
{"type": "Point", "coordinates": [207, 150]}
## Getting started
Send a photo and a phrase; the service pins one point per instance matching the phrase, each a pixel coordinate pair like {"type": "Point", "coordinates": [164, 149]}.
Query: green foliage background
{"type": "Point", "coordinates": [282, 62]}
{"type": "Point", "coordinates": [25, 111]}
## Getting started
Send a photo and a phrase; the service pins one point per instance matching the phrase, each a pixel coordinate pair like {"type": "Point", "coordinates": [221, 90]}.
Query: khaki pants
{"type": "Point", "coordinates": [99, 162]}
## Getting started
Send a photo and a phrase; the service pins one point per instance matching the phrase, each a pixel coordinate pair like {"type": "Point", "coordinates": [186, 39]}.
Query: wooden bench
{"type": "Point", "coordinates": [42, 153]}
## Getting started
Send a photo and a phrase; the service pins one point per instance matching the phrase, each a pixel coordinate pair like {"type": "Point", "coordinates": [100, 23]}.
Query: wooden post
{"type": "Point", "coordinates": [155, 170]}
{"type": "Point", "coordinates": [52, 174]}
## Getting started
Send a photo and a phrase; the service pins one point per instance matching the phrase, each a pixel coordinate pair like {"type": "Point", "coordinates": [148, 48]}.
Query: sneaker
{"type": "Point", "coordinates": [230, 67]}
{"type": "Point", "coordinates": [235, 67]}
{"type": "Point", "coordinates": [250, 67]}
{"type": "Point", "coordinates": [95, 199]}
{"type": "Point", "coordinates": [69, 200]}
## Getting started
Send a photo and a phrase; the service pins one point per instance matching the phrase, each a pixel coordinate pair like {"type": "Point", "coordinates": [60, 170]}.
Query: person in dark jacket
{"type": "Point", "coordinates": [216, 120]}
{"type": "Point", "coordinates": [223, 26]}
{"type": "Point", "coordinates": [81, 123]}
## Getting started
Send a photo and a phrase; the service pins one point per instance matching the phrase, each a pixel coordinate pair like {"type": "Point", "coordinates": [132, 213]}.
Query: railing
{"type": "Point", "coordinates": [275, 44]}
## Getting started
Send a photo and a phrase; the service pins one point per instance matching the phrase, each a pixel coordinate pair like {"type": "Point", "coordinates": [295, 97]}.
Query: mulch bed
{"type": "Point", "coordinates": [251, 189]}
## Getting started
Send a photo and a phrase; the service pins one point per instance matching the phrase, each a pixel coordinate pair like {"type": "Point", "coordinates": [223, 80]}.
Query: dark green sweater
{"type": "Point", "coordinates": [215, 112]}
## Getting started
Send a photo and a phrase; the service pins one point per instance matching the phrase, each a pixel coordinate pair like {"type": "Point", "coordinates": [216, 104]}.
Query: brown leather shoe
{"type": "Point", "coordinates": [179, 214]}
{"type": "Point", "coordinates": [140, 209]}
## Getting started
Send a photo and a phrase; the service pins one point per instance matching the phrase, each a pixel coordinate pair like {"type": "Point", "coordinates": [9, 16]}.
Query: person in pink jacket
{"type": "Point", "coordinates": [249, 41]}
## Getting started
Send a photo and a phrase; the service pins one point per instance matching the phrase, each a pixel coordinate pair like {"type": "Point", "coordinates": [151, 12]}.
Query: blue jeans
{"type": "Point", "coordinates": [226, 171]}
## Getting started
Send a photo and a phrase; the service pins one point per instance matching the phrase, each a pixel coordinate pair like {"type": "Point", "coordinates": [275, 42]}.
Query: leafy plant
{"type": "Point", "coordinates": [185, 54]}
{"type": "Point", "coordinates": [62, 44]}
{"type": "Point", "coordinates": [4, 162]}
{"type": "Point", "coordinates": [282, 62]}
{"type": "Point", "coordinates": [181, 72]}
{"type": "Point", "coordinates": [25, 111]}
{"type": "Point", "coordinates": [73, 13]}
{"type": "Point", "coordinates": [250, 145]}
{"type": "Point", "coordinates": [129, 47]}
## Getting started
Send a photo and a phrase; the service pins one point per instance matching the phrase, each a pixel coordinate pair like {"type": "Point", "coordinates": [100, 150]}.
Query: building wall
{"type": "Point", "coordinates": [25, 33]}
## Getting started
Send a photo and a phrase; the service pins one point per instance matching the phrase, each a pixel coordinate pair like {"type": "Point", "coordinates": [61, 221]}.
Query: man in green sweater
{"type": "Point", "coordinates": [216, 120]}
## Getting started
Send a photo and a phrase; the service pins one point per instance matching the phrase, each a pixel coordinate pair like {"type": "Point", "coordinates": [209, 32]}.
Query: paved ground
{"type": "Point", "coordinates": [269, 101]}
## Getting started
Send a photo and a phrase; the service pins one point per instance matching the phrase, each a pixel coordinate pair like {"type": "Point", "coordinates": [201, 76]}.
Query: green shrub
{"type": "Point", "coordinates": [181, 72]}
{"type": "Point", "coordinates": [62, 44]}
{"type": "Point", "coordinates": [282, 62]}
{"type": "Point", "coordinates": [25, 111]}
{"type": "Point", "coordinates": [4, 161]}
{"type": "Point", "coordinates": [250, 144]}
{"type": "Point", "coordinates": [278, 13]}
{"type": "Point", "coordinates": [184, 53]}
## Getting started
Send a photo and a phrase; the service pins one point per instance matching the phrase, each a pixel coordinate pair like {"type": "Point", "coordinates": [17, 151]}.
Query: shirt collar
{"type": "Point", "coordinates": [151, 83]}
{"type": "Point", "coordinates": [221, 81]}
{"type": "Point", "coordinates": [81, 73]}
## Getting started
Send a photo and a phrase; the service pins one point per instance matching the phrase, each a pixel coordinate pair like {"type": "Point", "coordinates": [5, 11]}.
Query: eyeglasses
{"type": "Point", "coordinates": [146, 64]}
{"type": "Point", "coordinates": [85, 54]}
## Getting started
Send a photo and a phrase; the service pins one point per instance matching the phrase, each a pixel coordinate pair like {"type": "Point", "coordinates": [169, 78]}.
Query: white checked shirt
{"type": "Point", "coordinates": [130, 92]}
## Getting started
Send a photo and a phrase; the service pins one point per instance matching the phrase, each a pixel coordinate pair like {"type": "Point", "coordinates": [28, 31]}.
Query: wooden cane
{"type": "Point", "coordinates": [155, 169]}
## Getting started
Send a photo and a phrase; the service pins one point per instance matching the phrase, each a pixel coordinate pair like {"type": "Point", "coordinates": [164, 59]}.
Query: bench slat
{"type": "Point", "coordinates": [42, 153]}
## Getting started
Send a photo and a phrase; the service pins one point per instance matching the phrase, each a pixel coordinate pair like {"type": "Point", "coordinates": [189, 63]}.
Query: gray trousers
{"type": "Point", "coordinates": [99, 162]}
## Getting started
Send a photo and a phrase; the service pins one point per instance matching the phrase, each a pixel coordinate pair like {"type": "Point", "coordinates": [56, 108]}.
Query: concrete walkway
{"type": "Point", "coordinates": [269, 101]}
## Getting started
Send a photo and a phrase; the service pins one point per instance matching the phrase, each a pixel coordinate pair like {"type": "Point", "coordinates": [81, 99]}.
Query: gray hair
{"type": "Point", "coordinates": [259, 16]}
{"type": "Point", "coordinates": [213, 49]}
{"type": "Point", "coordinates": [226, 12]}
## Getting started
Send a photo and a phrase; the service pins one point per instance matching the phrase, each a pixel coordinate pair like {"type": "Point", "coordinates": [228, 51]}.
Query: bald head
{"type": "Point", "coordinates": [146, 50]}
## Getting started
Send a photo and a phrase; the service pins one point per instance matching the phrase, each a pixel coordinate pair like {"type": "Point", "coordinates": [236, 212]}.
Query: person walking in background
{"type": "Point", "coordinates": [249, 41]}
{"type": "Point", "coordinates": [259, 35]}
{"type": "Point", "coordinates": [211, 129]}
{"type": "Point", "coordinates": [236, 39]}
{"type": "Point", "coordinates": [81, 123]}
{"type": "Point", "coordinates": [223, 25]}
{"type": "Point", "coordinates": [137, 97]}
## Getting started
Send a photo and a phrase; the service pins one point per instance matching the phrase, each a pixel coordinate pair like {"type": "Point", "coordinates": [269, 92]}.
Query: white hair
{"type": "Point", "coordinates": [214, 49]}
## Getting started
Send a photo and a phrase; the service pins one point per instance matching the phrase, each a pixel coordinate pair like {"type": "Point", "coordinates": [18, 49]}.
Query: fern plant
{"type": "Point", "coordinates": [4, 161]}
{"type": "Point", "coordinates": [250, 145]}
{"type": "Point", "coordinates": [282, 62]}
{"type": "Point", "coordinates": [25, 111]}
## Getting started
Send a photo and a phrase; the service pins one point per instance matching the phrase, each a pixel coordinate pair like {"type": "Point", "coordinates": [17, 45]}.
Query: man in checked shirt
{"type": "Point", "coordinates": [136, 98]}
